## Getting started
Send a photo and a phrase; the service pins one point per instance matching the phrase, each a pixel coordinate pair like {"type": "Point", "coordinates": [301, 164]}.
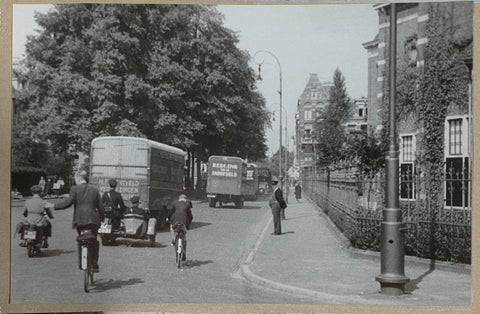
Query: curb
{"type": "Point", "coordinates": [245, 272]}
{"type": "Point", "coordinates": [415, 260]}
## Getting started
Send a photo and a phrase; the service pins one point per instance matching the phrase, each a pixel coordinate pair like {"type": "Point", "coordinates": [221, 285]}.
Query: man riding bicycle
{"type": "Point", "coordinates": [87, 210]}
{"type": "Point", "coordinates": [180, 213]}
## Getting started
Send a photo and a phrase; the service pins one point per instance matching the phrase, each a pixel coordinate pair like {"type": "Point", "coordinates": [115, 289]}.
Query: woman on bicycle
{"type": "Point", "coordinates": [180, 213]}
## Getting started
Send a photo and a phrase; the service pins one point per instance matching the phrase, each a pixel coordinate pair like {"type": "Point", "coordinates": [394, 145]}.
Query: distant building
{"type": "Point", "coordinates": [357, 120]}
{"type": "Point", "coordinates": [310, 104]}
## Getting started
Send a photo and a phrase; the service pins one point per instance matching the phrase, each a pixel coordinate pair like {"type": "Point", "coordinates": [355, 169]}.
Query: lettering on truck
{"type": "Point", "coordinates": [224, 170]}
{"type": "Point", "coordinates": [126, 187]}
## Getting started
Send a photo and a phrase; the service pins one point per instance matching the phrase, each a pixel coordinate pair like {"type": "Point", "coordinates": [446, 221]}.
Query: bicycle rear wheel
{"type": "Point", "coordinates": [91, 275]}
{"type": "Point", "coordinates": [85, 279]}
{"type": "Point", "coordinates": [179, 252]}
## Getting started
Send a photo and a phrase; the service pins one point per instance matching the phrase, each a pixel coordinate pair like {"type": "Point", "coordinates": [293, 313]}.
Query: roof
{"type": "Point", "coordinates": [314, 82]}
{"type": "Point", "coordinates": [150, 143]}
{"type": "Point", "coordinates": [230, 158]}
{"type": "Point", "coordinates": [373, 42]}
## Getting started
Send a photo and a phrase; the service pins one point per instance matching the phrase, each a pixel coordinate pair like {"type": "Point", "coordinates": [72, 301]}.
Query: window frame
{"type": "Point", "coordinates": [465, 160]}
{"type": "Point", "coordinates": [409, 162]}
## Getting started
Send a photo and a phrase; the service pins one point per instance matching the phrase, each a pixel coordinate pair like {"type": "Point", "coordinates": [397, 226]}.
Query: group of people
{"type": "Point", "coordinates": [89, 209]}
{"type": "Point", "coordinates": [51, 186]}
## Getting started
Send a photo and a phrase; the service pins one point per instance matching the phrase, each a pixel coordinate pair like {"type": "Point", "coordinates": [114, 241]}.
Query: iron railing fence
{"type": "Point", "coordinates": [439, 228]}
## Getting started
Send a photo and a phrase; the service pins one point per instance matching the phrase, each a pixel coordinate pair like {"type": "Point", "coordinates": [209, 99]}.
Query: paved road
{"type": "Point", "coordinates": [218, 241]}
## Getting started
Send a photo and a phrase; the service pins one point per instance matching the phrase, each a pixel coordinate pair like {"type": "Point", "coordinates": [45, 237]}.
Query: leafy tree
{"type": "Point", "coordinates": [274, 162]}
{"type": "Point", "coordinates": [171, 73]}
{"type": "Point", "coordinates": [329, 134]}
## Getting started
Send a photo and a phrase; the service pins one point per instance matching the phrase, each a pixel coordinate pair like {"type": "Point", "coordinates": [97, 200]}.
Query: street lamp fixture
{"type": "Point", "coordinates": [282, 214]}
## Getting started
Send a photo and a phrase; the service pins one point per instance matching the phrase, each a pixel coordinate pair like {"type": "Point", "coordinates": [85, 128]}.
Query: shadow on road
{"type": "Point", "coordinates": [303, 216]}
{"type": "Point", "coordinates": [413, 284]}
{"type": "Point", "coordinates": [245, 207]}
{"type": "Point", "coordinates": [55, 252]}
{"type": "Point", "coordinates": [198, 224]}
{"type": "Point", "coordinates": [103, 285]}
{"type": "Point", "coordinates": [137, 243]}
{"type": "Point", "coordinates": [196, 263]}
{"type": "Point", "coordinates": [288, 232]}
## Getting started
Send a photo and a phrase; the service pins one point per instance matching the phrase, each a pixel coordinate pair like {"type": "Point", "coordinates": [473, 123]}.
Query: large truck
{"type": "Point", "coordinates": [264, 183]}
{"type": "Point", "coordinates": [226, 180]}
{"type": "Point", "coordinates": [151, 170]}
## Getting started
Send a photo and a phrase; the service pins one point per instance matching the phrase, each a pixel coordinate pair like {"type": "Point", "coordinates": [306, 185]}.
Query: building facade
{"type": "Point", "coordinates": [412, 19]}
{"type": "Point", "coordinates": [310, 104]}
{"type": "Point", "coordinates": [356, 122]}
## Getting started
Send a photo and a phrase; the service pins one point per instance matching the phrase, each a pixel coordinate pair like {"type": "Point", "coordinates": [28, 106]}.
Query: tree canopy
{"type": "Point", "coordinates": [329, 133]}
{"type": "Point", "coordinates": [170, 73]}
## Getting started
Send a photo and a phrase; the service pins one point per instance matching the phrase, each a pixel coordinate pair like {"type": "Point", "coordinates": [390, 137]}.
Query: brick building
{"type": "Point", "coordinates": [358, 115]}
{"type": "Point", "coordinates": [412, 19]}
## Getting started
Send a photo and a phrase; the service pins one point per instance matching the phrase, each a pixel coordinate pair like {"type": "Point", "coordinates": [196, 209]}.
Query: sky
{"type": "Point", "coordinates": [304, 38]}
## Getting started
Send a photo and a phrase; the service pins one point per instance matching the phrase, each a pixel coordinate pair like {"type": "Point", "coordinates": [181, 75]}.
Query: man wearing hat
{"type": "Point", "coordinates": [277, 203]}
{"type": "Point", "coordinates": [112, 201]}
{"type": "Point", "coordinates": [136, 209]}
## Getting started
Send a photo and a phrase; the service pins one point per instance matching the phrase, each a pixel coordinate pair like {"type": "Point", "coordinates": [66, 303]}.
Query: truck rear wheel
{"type": "Point", "coordinates": [151, 240]}
{"type": "Point", "coordinates": [239, 203]}
{"type": "Point", "coordinates": [212, 203]}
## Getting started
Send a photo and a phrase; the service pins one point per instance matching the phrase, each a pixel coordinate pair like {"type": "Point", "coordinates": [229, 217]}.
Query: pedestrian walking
{"type": "Point", "coordinates": [298, 192]}
{"type": "Point", "coordinates": [41, 184]}
{"type": "Point", "coordinates": [277, 203]}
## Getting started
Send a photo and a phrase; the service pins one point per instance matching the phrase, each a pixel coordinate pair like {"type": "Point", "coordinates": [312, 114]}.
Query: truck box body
{"type": "Point", "coordinates": [151, 170]}
{"type": "Point", "coordinates": [226, 175]}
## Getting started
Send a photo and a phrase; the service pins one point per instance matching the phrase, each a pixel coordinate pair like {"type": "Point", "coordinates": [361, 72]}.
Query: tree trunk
{"type": "Point", "coordinates": [187, 175]}
{"type": "Point", "coordinates": [199, 176]}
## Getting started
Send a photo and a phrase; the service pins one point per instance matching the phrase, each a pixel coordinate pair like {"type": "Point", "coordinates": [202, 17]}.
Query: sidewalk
{"type": "Point", "coordinates": [309, 260]}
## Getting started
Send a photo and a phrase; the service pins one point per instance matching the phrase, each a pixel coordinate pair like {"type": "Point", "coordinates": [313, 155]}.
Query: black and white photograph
{"type": "Point", "coordinates": [301, 154]}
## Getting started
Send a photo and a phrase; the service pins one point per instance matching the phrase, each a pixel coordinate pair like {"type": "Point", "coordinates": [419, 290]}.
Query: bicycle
{"type": "Point", "coordinates": [180, 242]}
{"type": "Point", "coordinates": [85, 241]}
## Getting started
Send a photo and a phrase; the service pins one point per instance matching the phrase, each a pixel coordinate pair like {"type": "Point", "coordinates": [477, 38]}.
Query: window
{"type": "Point", "coordinates": [455, 136]}
{"type": "Point", "coordinates": [457, 163]}
{"type": "Point", "coordinates": [360, 112]}
{"type": "Point", "coordinates": [407, 168]}
{"type": "Point", "coordinates": [308, 115]}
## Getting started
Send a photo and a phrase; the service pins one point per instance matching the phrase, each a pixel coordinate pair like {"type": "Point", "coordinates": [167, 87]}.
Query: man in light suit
{"type": "Point", "coordinates": [277, 203]}
{"type": "Point", "coordinates": [87, 209]}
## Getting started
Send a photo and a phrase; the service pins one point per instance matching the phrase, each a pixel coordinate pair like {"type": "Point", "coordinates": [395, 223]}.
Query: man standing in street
{"type": "Point", "coordinates": [113, 201]}
{"type": "Point", "coordinates": [87, 210]}
{"type": "Point", "coordinates": [277, 203]}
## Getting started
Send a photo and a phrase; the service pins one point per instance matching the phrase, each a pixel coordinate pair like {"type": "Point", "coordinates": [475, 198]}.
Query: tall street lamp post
{"type": "Point", "coordinates": [286, 152]}
{"type": "Point", "coordinates": [282, 214]}
{"type": "Point", "coordinates": [392, 278]}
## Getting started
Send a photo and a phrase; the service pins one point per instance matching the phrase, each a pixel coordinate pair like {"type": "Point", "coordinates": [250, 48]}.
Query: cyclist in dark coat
{"type": "Point", "coordinates": [180, 213]}
{"type": "Point", "coordinates": [87, 210]}
{"type": "Point", "coordinates": [114, 201]}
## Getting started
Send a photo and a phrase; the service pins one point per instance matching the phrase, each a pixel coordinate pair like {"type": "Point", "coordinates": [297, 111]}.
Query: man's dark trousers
{"type": "Point", "coordinates": [276, 218]}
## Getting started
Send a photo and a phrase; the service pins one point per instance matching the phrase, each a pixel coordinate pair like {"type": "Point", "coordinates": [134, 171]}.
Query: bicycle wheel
{"type": "Point", "coordinates": [176, 249]}
{"type": "Point", "coordinates": [91, 275]}
{"type": "Point", "coordinates": [179, 252]}
{"type": "Point", "coordinates": [85, 280]}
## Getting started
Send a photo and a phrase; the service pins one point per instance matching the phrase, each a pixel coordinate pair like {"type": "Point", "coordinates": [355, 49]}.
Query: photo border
{"type": "Point", "coordinates": [6, 26]}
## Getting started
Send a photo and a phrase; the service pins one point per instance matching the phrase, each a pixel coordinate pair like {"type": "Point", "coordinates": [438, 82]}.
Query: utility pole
{"type": "Point", "coordinates": [392, 278]}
